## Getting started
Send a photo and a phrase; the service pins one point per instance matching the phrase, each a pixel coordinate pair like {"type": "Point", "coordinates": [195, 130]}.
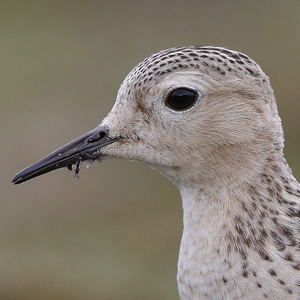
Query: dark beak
{"type": "Point", "coordinates": [83, 148]}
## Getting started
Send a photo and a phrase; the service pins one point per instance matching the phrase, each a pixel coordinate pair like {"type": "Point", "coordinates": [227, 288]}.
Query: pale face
{"type": "Point", "coordinates": [223, 120]}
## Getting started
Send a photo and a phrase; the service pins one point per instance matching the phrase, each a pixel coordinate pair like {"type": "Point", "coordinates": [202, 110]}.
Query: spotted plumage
{"type": "Point", "coordinates": [223, 149]}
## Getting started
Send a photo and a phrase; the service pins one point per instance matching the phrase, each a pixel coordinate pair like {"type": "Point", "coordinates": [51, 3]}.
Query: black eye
{"type": "Point", "coordinates": [181, 99]}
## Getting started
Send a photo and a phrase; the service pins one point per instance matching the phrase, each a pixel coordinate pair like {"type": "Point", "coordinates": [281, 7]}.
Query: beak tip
{"type": "Point", "coordinates": [17, 179]}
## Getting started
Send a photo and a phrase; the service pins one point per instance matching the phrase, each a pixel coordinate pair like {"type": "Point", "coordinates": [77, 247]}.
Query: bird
{"type": "Point", "coordinates": [206, 118]}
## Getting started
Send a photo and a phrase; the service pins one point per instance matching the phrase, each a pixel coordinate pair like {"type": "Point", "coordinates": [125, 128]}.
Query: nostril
{"type": "Point", "coordinates": [102, 134]}
{"type": "Point", "coordinates": [97, 136]}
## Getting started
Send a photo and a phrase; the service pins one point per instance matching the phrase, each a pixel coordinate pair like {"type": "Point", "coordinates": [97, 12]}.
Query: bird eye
{"type": "Point", "coordinates": [181, 99]}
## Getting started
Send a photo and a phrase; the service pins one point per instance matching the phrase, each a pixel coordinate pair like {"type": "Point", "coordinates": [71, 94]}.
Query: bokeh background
{"type": "Point", "coordinates": [115, 233]}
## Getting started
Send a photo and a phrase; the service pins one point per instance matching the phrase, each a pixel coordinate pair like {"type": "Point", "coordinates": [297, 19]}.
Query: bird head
{"type": "Point", "coordinates": [208, 107]}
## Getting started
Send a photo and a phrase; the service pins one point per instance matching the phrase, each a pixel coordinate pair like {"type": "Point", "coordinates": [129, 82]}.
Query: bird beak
{"type": "Point", "coordinates": [83, 148]}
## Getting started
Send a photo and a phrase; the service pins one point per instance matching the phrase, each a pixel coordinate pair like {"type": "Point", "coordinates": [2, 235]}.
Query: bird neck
{"type": "Point", "coordinates": [262, 188]}
{"type": "Point", "coordinates": [229, 235]}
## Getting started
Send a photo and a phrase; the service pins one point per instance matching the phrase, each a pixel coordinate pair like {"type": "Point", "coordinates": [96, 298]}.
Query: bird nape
{"type": "Point", "coordinates": [206, 118]}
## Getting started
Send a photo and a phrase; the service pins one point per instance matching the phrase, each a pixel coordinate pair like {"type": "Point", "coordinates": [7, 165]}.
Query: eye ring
{"type": "Point", "coordinates": [181, 99]}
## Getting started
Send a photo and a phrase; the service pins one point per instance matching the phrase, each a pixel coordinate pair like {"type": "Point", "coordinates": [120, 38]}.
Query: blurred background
{"type": "Point", "coordinates": [115, 233]}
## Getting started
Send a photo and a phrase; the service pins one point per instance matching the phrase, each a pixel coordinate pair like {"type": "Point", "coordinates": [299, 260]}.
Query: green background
{"type": "Point", "coordinates": [115, 233]}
